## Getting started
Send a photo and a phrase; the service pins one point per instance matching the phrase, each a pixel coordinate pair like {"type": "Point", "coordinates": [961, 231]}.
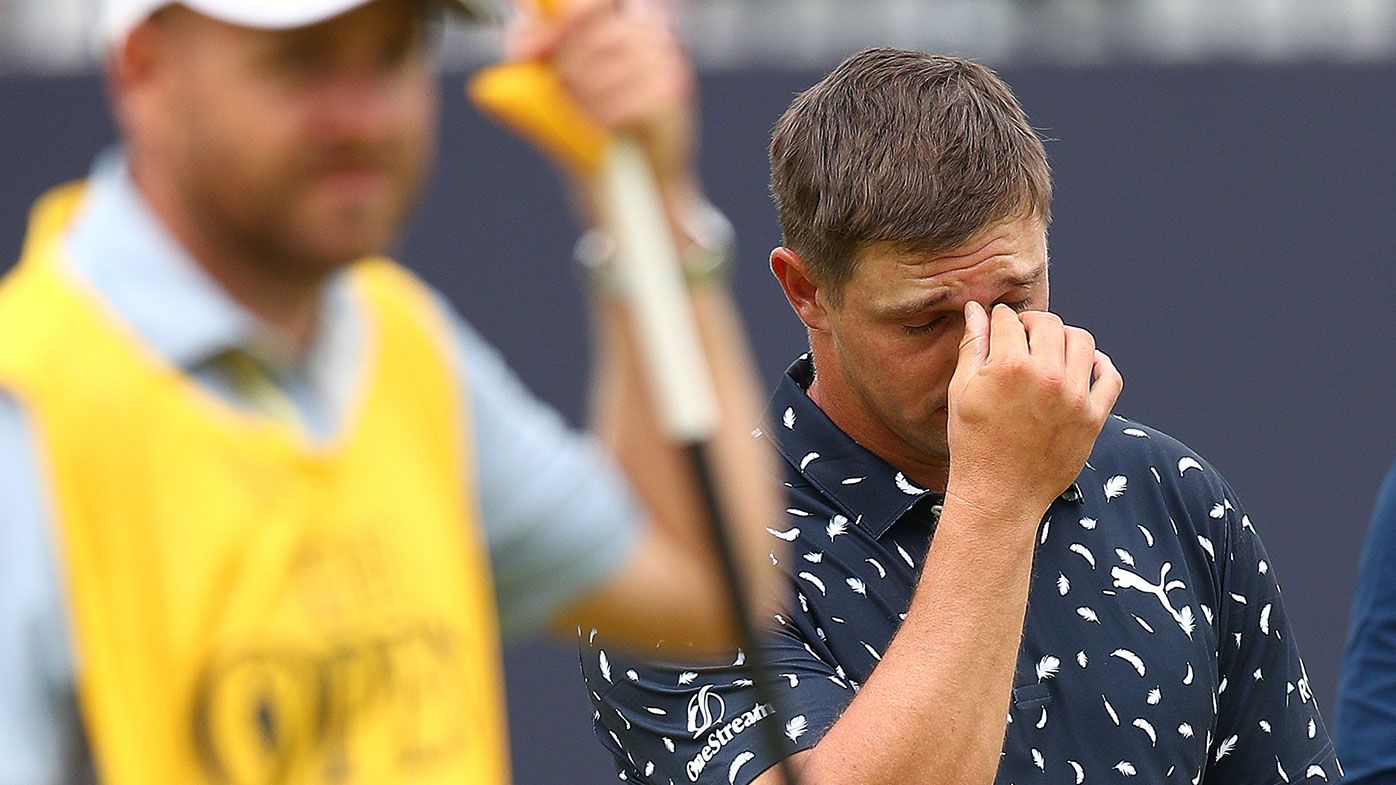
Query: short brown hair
{"type": "Point", "coordinates": [922, 151]}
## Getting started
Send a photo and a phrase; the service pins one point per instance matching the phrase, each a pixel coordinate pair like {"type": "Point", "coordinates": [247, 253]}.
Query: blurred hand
{"type": "Point", "coordinates": [1027, 402]}
{"type": "Point", "coordinates": [626, 69]}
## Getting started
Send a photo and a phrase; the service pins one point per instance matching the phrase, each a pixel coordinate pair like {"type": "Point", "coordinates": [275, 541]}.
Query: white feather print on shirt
{"type": "Point", "coordinates": [1225, 748]}
{"type": "Point", "coordinates": [1131, 658]}
{"type": "Point", "coordinates": [905, 486]}
{"type": "Point", "coordinates": [881, 571]}
{"type": "Point", "coordinates": [737, 763]}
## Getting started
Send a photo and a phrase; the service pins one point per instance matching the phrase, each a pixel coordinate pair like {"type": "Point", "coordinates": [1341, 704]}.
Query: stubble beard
{"type": "Point", "coordinates": [284, 236]}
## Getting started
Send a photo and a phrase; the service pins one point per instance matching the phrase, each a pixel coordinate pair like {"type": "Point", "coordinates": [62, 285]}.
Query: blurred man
{"type": "Point", "coordinates": [1365, 728]}
{"type": "Point", "coordinates": [254, 490]}
{"type": "Point", "coordinates": [992, 580]}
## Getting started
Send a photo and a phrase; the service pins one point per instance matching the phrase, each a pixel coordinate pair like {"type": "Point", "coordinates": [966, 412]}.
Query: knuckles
{"type": "Point", "coordinates": [1082, 337]}
{"type": "Point", "coordinates": [1039, 319]}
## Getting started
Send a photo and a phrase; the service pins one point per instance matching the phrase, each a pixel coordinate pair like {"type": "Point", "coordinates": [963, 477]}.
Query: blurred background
{"type": "Point", "coordinates": [1224, 223]}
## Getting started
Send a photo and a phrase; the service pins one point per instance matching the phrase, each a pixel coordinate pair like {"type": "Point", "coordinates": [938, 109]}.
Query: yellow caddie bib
{"type": "Point", "coordinates": [251, 609]}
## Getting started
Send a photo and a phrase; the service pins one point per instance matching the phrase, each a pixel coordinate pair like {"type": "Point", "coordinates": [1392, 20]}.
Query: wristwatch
{"type": "Point", "coordinates": [708, 244]}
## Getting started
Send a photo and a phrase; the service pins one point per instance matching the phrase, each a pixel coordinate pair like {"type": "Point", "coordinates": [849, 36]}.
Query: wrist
{"type": "Point", "coordinates": [703, 237]}
{"type": "Point", "coordinates": [990, 509]}
{"type": "Point", "coordinates": [682, 195]}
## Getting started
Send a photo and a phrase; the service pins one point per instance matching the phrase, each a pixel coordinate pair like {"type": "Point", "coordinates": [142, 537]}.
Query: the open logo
{"type": "Point", "coordinates": [701, 714]}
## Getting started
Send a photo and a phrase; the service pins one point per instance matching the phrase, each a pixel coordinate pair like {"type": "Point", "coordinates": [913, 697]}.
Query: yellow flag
{"type": "Point", "coordinates": [529, 98]}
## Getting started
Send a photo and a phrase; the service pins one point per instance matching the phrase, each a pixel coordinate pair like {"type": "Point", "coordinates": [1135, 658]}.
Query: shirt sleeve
{"type": "Point", "coordinates": [559, 518]}
{"type": "Point", "coordinates": [1365, 728]}
{"type": "Point", "coordinates": [705, 724]}
{"type": "Point", "coordinates": [38, 720]}
{"type": "Point", "coordinates": [1268, 726]}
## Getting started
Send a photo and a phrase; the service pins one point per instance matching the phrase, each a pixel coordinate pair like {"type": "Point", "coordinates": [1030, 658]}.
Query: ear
{"type": "Point", "coordinates": [801, 288]}
{"type": "Point", "coordinates": [132, 70]}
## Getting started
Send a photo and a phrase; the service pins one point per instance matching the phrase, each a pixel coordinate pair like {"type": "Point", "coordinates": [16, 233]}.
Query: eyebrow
{"type": "Point", "coordinates": [940, 295]}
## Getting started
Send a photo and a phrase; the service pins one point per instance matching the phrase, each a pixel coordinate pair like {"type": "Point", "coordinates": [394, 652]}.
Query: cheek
{"type": "Point", "coordinates": [909, 373]}
{"type": "Point", "coordinates": [245, 134]}
{"type": "Point", "coordinates": [928, 363]}
{"type": "Point", "coordinates": [421, 108]}
{"type": "Point", "coordinates": [421, 120]}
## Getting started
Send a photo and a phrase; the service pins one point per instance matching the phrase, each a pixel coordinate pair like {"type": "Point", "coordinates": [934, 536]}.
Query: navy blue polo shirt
{"type": "Point", "coordinates": [1155, 649]}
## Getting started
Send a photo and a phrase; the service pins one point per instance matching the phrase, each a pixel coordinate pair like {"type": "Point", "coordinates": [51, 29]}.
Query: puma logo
{"type": "Point", "coordinates": [1124, 579]}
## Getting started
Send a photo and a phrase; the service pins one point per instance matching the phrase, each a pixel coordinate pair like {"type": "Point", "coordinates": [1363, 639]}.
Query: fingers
{"type": "Point", "coordinates": [1046, 337]}
{"type": "Point", "coordinates": [620, 74]}
{"type": "Point", "coordinates": [575, 13]}
{"type": "Point", "coordinates": [1080, 356]}
{"type": "Point", "coordinates": [1107, 384]}
{"type": "Point", "coordinates": [622, 67]}
{"type": "Point", "coordinates": [974, 346]}
{"type": "Point", "coordinates": [534, 36]}
{"type": "Point", "coordinates": [1007, 336]}
{"type": "Point", "coordinates": [529, 39]}
{"type": "Point", "coordinates": [1087, 373]}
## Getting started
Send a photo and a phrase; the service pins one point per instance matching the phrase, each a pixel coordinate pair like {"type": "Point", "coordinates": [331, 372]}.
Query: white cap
{"type": "Point", "coordinates": [120, 17]}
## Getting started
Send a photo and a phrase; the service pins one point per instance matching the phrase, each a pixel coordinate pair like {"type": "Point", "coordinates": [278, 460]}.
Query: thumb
{"type": "Point", "coordinates": [974, 346]}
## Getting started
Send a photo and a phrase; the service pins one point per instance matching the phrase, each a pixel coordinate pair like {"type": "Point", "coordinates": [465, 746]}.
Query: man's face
{"type": "Point", "coordinates": [892, 339]}
{"type": "Point", "coordinates": [305, 147]}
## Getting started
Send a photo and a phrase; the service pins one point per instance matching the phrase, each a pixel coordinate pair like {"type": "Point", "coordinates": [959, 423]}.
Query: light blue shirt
{"type": "Point", "coordinates": [558, 518]}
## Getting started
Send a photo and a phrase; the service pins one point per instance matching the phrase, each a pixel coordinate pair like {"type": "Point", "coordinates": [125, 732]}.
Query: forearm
{"type": "Point", "coordinates": [933, 711]}
{"type": "Point", "coordinates": [625, 417]}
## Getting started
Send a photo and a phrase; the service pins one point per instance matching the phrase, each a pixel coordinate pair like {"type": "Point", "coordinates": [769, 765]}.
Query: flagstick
{"type": "Point", "coordinates": [665, 326]}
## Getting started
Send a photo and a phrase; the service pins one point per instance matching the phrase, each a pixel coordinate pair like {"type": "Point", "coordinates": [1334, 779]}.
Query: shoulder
{"type": "Point", "coordinates": [1145, 474]}
{"type": "Point", "coordinates": [1135, 450]}
{"type": "Point", "coordinates": [1384, 514]}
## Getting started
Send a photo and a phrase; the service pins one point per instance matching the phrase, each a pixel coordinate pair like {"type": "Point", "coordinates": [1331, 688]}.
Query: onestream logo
{"type": "Point", "coordinates": [701, 715]}
{"type": "Point", "coordinates": [705, 709]}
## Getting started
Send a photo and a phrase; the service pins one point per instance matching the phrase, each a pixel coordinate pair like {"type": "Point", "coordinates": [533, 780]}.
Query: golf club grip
{"type": "Point", "coordinates": [653, 287]}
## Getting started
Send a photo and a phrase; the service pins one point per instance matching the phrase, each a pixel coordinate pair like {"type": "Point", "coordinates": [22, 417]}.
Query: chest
{"type": "Point", "coordinates": [1117, 666]}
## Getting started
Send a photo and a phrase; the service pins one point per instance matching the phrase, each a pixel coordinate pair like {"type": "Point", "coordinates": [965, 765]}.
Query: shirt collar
{"type": "Point", "coordinates": [119, 247]}
{"type": "Point", "coordinates": [870, 491]}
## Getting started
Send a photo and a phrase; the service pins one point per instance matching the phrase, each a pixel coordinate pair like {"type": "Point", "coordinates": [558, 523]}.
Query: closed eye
{"type": "Point", "coordinates": [925, 327]}
{"type": "Point", "coordinates": [919, 329]}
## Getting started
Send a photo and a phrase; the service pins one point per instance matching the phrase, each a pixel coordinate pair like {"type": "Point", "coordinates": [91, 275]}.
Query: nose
{"type": "Point", "coordinates": [359, 103]}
